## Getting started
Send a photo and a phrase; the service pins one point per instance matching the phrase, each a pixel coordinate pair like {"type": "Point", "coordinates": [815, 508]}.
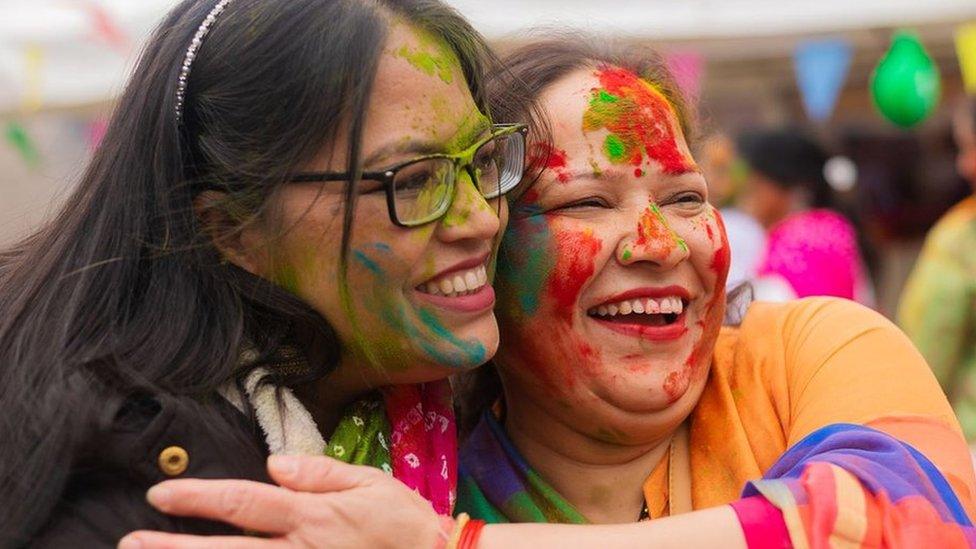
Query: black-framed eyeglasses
{"type": "Point", "coordinates": [421, 190]}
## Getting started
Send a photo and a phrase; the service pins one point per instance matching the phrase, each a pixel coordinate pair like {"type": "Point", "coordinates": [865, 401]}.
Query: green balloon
{"type": "Point", "coordinates": [905, 84]}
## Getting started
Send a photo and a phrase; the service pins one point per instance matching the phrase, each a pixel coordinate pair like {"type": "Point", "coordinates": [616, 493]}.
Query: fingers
{"type": "Point", "coordinates": [160, 540]}
{"type": "Point", "coordinates": [243, 503]}
{"type": "Point", "coordinates": [318, 473]}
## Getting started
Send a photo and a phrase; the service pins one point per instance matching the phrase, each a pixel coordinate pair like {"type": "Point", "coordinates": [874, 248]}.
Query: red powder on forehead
{"type": "Point", "coordinates": [551, 158]}
{"type": "Point", "coordinates": [640, 121]}
{"type": "Point", "coordinates": [575, 252]}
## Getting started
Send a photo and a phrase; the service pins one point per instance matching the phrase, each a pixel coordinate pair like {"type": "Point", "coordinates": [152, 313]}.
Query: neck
{"type": "Point", "coordinates": [602, 480]}
{"type": "Point", "coordinates": [326, 398]}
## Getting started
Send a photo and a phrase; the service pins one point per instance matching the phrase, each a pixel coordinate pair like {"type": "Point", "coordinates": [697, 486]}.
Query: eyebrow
{"type": "Point", "coordinates": [422, 147]}
{"type": "Point", "coordinates": [612, 174]}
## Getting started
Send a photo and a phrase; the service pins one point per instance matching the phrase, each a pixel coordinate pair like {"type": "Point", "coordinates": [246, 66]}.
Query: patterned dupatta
{"type": "Point", "coordinates": [496, 484]}
{"type": "Point", "coordinates": [409, 431]}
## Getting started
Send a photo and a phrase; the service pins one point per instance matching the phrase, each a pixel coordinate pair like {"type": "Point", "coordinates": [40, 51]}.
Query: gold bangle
{"type": "Point", "coordinates": [455, 538]}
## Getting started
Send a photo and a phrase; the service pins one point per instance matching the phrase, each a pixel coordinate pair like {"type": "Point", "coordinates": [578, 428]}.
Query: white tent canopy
{"type": "Point", "coordinates": [53, 56]}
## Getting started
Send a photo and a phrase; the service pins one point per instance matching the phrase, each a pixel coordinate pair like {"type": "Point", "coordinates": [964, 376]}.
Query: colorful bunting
{"type": "Point", "coordinates": [966, 51]}
{"type": "Point", "coordinates": [18, 137]}
{"type": "Point", "coordinates": [821, 69]}
{"type": "Point", "coordinates": [687, 67]}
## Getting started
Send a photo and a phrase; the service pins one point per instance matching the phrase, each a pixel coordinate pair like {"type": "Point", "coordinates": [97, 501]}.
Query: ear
{"type": "Point", "coordinates": [238, 239]}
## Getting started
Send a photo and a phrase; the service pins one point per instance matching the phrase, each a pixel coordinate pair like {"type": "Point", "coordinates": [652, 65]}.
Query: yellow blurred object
{"type": "Point", "coordinates": [34, 88]}
{"type": "Point", "coordinates": [966, 51]}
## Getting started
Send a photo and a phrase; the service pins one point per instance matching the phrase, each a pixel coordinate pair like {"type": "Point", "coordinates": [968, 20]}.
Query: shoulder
{"type": "Point", "coordinates": [797, 337]}
{"type": "Point", "coordinates": [152, 438]}
{"type": "Point", "coordinates": [791, 319]}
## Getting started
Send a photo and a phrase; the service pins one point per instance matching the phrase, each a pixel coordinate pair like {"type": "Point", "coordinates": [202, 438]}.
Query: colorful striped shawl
{"type": "Point", "coordinates": [843, 485]}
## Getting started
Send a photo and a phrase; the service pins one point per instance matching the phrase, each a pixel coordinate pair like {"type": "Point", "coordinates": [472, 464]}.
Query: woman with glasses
{"type": "Point", "coordinates": [283, 245]}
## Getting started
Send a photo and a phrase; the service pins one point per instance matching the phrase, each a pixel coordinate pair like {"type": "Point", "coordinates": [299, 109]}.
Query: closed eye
{"type": "Point", "coordinates": [687, 199]}
{"type": "Point", "coordinates": [592, 202]}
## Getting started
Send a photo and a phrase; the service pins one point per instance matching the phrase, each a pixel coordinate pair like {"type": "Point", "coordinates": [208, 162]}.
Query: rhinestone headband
{"type": "Point", "coordinates": [191, 54]}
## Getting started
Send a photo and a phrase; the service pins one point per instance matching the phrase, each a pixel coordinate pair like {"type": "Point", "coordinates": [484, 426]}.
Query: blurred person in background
{"type": "Point", "coordinates": [726, 175]}
{"type": "Point", "coordinates": [810, 244]}
{"type": "Point", "coordinates": [937, 306]}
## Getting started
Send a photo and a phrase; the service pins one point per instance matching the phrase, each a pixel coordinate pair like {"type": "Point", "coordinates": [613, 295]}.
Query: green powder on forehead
{"type": "Point", "coordinates": [432, 57]}
{"type": "Point", "coordinates": [615, 148]}
{"type": "Point", "coordinates": [474, 124]}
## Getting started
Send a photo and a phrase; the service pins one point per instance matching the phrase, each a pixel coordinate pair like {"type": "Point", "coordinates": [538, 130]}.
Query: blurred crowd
{"type": "Point", "coordinates": [782, 193]}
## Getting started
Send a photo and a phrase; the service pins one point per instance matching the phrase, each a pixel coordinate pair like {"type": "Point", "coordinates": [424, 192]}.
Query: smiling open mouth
{"type": "Point", "coordinates": [643, 311]}
{"type": "Point", "coordinates": [457, 284]}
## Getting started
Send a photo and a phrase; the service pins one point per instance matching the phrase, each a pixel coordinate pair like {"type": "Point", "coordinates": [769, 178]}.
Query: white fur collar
{"type": "Point", "coordinates": [288, 426]}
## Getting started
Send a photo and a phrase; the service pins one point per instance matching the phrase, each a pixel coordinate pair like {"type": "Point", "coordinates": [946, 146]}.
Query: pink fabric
{"type": "Point", "coordinates": [762, 523]}
{"type": "Point", "coordinates": [423, 438]}
{"type": "Point", "coordinates": [816, 252]}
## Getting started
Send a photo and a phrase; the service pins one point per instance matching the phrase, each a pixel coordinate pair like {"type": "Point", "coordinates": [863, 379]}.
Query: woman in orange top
{"type": "Point", "coordinates": [811, 423]}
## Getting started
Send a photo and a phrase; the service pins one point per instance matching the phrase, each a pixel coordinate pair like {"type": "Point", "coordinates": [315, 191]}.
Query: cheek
{"type": "Point", "coordinates": [576, 252]}
{"type": "Point", "coordinates": [543, 267]}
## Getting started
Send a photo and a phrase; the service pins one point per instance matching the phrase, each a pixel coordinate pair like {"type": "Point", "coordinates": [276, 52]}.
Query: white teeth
{"type": "Point", "coordinates": [471, 280]}
{"type": "Point", "coordinates": [666, 305]}
{"type": "Point", "coordinates": [457, 284]}
{"type": "Point", "coordinates": [447, 287]}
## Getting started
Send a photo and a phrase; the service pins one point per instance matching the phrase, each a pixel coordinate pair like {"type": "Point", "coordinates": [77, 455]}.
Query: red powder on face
{"type": "Point", "coordinates": [575, 252]}
{"type": "Point", "coordinates": [640, 121]}
{"type": "Point", "coordinates": [715, 308]}
{"type": "Point", "coordinates": [551, 158]}
{"type": "Point", "coordinates": [676, 383]}
{"type": "Point", "coordinates": [723, 255]}
{"type": "Point", "coordinates": [653, 236]}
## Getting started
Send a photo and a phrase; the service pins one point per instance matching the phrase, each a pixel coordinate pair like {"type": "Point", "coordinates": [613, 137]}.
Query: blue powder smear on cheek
{"type": "Point", "coordinates": [473, 350]}
{"type": "Point", "coordinates": [470, 351]}
{"type": "Point", "coordinates": [524, 261]}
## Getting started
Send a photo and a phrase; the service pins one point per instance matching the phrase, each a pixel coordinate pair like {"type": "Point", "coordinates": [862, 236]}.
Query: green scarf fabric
{"type": "Point", "coordinates": [362, 436]}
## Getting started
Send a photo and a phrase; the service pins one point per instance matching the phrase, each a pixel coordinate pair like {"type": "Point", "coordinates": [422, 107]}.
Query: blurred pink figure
{"type": "Point", "coordinates": [816, 251]}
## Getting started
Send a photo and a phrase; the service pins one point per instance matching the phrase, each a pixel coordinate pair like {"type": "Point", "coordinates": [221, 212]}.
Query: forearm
{"type": "Point", "coordinates": [714, 527]}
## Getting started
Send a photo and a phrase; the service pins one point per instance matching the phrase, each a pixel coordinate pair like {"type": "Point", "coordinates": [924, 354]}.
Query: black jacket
{"type": "Point", "coordinates": [152, 439]}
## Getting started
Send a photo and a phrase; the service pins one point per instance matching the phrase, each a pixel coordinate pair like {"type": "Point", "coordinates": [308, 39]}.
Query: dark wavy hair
{"type": "Point", "coordinates": [123, 293]}
{"type": "Point", "coordinates": [531, 69]}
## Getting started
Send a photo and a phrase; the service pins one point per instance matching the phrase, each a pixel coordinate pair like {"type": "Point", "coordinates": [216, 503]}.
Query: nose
{"type": "Point", "coordinates": [653, 240]}
{"type": "Point", "coordinates": [470, 215]}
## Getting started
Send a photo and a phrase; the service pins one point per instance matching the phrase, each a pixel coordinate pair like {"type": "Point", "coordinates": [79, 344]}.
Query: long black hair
{"type": "Point", "coordinates": [123, 292]}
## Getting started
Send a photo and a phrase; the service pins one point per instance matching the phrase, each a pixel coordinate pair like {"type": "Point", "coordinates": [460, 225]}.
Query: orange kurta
{"type": "Point", "coordinates": [792, 368]}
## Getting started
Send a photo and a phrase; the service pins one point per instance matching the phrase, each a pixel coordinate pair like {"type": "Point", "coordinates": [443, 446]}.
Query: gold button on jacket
{"type": "Point", "coordinates": [173, 461]}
